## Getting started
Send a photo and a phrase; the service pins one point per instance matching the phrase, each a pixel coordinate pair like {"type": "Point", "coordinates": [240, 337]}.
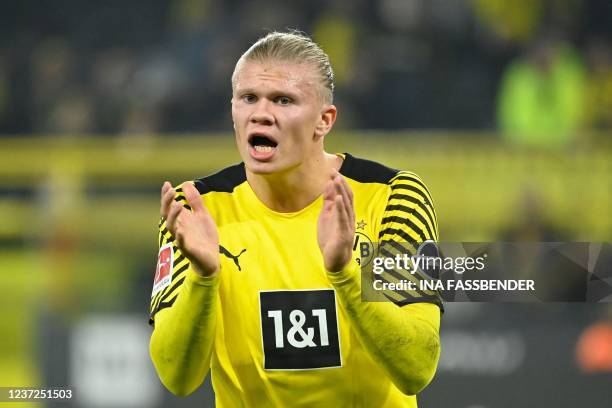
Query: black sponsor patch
{"type": "Point", "coordinates": [299, 329]}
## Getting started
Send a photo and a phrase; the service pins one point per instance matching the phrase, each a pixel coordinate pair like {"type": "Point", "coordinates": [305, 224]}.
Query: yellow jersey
{"type": "Point", "coordinates": [282, 338]}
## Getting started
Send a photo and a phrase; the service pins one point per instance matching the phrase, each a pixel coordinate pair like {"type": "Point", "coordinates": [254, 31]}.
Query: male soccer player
{"type": "Point", "coordinates": [258, 275]}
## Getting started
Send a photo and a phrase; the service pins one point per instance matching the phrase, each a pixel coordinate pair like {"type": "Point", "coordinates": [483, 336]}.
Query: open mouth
{"type": "Point", "coordinates": [262, 144]}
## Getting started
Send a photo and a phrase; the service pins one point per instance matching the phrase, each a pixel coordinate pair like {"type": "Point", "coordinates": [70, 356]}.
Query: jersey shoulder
{"type": "Point", "coordinates": [223, 181]}
{"type": "Point", "coordinates": [366, 171]}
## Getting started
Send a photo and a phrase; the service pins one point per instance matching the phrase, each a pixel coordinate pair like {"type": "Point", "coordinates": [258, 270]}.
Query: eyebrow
{"type": "Point", "coordinates": [273, 92]}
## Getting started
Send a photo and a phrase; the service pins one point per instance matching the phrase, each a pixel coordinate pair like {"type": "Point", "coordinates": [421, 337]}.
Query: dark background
{"type": "Point", "coordinates": [503, 108]}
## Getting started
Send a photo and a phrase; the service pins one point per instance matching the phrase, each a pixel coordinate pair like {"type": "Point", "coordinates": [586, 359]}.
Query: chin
{"type": "Point", "coordinates": [261, 168]}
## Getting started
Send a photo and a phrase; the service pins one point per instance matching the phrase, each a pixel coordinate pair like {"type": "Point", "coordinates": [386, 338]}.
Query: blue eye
{"type": "Point", "coordinates": [283, 100]}
{"type": "Point", "coordinates": [249, 98]}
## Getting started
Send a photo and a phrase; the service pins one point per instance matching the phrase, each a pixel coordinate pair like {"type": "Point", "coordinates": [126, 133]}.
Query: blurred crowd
{"type": "Point", "coordinates": [539, 70]}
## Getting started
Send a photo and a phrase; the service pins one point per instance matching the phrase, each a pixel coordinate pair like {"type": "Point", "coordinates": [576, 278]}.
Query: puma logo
{"type": "Point", "coordinates": [228, 254]}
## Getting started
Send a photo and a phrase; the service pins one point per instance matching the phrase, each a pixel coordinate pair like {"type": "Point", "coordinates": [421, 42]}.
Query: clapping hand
{"type": "Point", "coordinates": [194, 232]}
{"type": "Point", "coordinates": [336, 225]}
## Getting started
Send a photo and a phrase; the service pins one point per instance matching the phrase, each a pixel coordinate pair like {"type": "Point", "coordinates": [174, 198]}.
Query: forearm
{"type": "Point", "coordinates": [404, 341]}
{"type": "Point", "coordinates": [182, 341]}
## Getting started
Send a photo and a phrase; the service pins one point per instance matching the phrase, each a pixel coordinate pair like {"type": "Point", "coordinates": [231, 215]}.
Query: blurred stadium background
{"type": "Point", "coordinates": [504, 108]}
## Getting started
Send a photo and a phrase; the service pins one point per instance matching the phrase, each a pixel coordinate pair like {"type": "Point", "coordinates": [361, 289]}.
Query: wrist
{"type": "Point", "coordinates": [197, 279]}
{"type": "Point", "coordinates": [205, 272]}
{"type": "Point", "coordinates": [337, 266]}
{"type": "Point", "coordinates": [350, 270]}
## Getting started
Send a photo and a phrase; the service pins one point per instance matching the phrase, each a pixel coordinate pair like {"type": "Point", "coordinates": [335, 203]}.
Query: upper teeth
{"type": "Point", "coordinates": [262, 148]}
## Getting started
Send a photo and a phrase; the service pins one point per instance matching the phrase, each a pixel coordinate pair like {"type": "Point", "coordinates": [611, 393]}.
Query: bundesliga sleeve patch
{"type": "Point", "coordinates": [163, 272]}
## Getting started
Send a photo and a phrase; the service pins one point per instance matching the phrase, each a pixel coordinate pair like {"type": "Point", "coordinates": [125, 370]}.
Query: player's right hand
{"type": "Point", "coordinates": [194, 232]}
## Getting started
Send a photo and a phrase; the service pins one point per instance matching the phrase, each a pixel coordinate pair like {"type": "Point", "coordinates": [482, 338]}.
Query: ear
{"type": "Point", "coordinates": [326, 121]}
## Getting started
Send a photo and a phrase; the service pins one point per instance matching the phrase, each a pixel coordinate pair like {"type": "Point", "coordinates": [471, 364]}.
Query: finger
{"type": "Point", "coordinates": [341, 188]}
{"type": "Point", "coordinates": [344, 194]}
{"type": "Point", "coordinates": [328, 194]}
{"type": "Point", "coordinates": [195, 201]}
{"type": "Point", "coordinates": [349, 193]}
{"type": "Point", "coordinates": [175, 209]}
{"type": "Point", "coordinates": [193, 197]}
{"type": "Point", "coordinates": [341, 213]}
{"type": "Point", "coordinates": [166, 200]}
{"type": "Point", "coordinates": [348, 189]}
{"type": "Point", "coordinates": [165, 187]}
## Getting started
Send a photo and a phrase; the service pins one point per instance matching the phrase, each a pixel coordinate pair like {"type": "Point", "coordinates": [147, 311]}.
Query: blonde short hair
{"type": "Point", "coordinates": [293, 47]}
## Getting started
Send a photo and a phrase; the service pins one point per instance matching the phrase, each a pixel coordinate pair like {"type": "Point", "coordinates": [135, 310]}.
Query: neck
{"type": "Point", "coordinates": [296, 188]}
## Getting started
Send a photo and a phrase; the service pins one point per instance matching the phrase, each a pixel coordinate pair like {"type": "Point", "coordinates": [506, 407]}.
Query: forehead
{"type": "Point", "coordinates": [276, 76]}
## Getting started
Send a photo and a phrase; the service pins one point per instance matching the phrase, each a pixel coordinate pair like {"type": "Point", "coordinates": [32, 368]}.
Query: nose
{"type": "Point", "coordinates": [262, 114]}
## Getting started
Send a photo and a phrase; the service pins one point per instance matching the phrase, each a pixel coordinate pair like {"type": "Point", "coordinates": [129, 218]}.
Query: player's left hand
{"type": "Point", "coordinates": [336, 226]}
